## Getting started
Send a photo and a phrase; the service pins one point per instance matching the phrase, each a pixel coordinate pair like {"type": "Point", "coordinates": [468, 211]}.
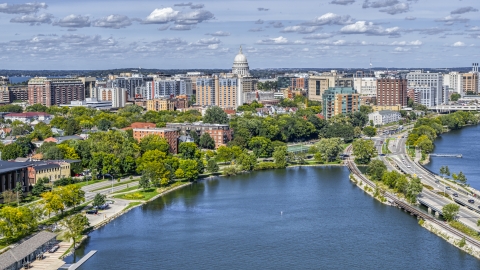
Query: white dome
{"type": "Point", "coordinates": [240, 58]}
{"type": "Point", "coordinates": [240, 64]}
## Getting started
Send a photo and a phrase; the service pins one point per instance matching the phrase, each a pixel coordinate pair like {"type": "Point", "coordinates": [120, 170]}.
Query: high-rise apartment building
{"type": "Point", "coordinates": [4, 94]}
{"type": "Point", "coordinates": [206, 88]}
{"type": "Point", "coordinates": [118, 96]}
{"type": "Point", "coordinates": [453, 81]}
{"type": "Point", "coordinates": [391, 92]}
{"type": "Point", "coordinates": [18, 93]}
{"type": "Point", "coordinates": [163, 87]}
{"type": "Point", "coordinates": [55, 91]}
{"type": "Point", "coordinates": [434, 80]}
{"type": "Point", "coordinates": [470, 83]}
{"type": "Point", "coordinates": [340, 100]}
{"type": "Point", "coordinates": [366, 86]}
{"type": "Point", "coordinates": [227, 95]}
{"type": "Point", "coordinates": [129, 83]}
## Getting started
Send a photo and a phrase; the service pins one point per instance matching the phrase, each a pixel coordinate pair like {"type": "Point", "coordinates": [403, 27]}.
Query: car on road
{"type": "Point", "coordinates": [455, 194]}
{"type": "Point", "coordinates": [408, 166]}
{"type": "Point", "coordinates": [54, 248]}
{"type": "Point", "coordinates": [437, 181]}
{"type": "Point", "coordinates": [471, 201]}
{"type": "Point", "coordinates": [447, 188]}
{"type": "Point", "coordinates": [92, 211]}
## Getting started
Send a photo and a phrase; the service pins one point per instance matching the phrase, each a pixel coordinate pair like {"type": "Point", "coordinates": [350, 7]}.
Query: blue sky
{"type": "Point", "coordinates": [274, 34]}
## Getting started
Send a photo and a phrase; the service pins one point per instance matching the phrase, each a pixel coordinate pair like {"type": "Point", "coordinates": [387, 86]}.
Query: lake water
{"type": "Point", "coordinates": [465, 141]}
{"type": "Point", "coordinates": [297, 218]}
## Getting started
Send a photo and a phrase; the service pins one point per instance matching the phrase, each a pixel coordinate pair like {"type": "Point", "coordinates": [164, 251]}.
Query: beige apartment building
{"type": "Point", "coordinates": [318, 84]}
{"type": "Point", "coordinates": [160, 104]}
{"type": "Point", "coordinates": [470, 83]}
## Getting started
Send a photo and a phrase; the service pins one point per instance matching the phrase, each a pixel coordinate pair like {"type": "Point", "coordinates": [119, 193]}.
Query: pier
{"type": "Point", "coordinates": [79, 263]}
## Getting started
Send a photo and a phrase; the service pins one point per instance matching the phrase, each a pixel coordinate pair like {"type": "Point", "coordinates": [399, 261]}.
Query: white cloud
{"type": "Point", "coordinates": [330, 18]}
{"type": "Point", "coordinates": [379, 3]}
{"type": "Point", "coordinates": [181, 27]}
{"type": "Point", "coordinates": [458, 44]}
{"type": "Point", "coordinates": [410, 18]}
{"type": "Point", "coordinates": [396, 9]}
{"type": "Point", "coordinates": [449, 20]}
{"type": "Point", "coordinates": [73, 21]}
{"type": "Point", "coordinates": [167, 15]}
{"type": "Point", "coordinates": [318, 36]}
{"type": "Point", "coordinates": [368, 28]}
{"type": "Point", "coordinates": [299, 29]}
{"type": "Point", "coordinates": [463, 10]}
{"type": "Point", "coordinates": [191, 5]}
{"type": "Point", "coordinates": [401, 49]}
{"type": "Point", "coordinates": [27, 8]}
{"type": "Point", "coordinates": [113, 21]}
{"type": "Point", "coordinates": [279, 41]}
{"type": "Point", "coordinates": [342, 2]}
{"type": "Point", "coordinates": [219, 34]}
{"type": "Point", "coordinates": [33, 19]}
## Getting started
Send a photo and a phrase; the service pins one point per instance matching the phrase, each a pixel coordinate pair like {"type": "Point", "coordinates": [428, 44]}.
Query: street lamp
{"type": "Point", "coordinates": [112, 181]}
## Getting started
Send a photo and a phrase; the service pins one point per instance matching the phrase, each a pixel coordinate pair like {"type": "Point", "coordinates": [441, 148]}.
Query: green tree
{"type": "Point", "coordinates": [455, 97]}
{"type": "Point", "coordinates": [369, 131]}
{"type": "Point", "coordinates": [16, 222]}
{"type": "Point", "coordinates": [52, 202]}
{"type": "Point", "coordinates": [12, 151]}
{"type": "Point", "coordinates": [188, 150]}
{"type": "Point", "coordinates": [280, 156]}
{"type": "Point", "coordinates": [329, 148]}
{"type": "Point", "coordinates": [206, 141]}
{"type": "Point", "coordinates": [41, 131]}
{"type": "Point", "coordinates": [224, 154]}
{"type": "Point", "coordinates": [195, 137]}
{"type": "Point", "coordinates": [152, 142]}
{"type": "Point", "coordinates": [71, 195]}
{"type": "Point", "coordinates": [39, 187]}
{"type": "Point", "coordinates": [212, 166]}
{"type": "Point", "coordinates": [190, 169]}
{"type": "Point", "coordinates": [215, 115]}
{"type": "Point", "coordinates": [144, 182]}
{"type": "Point", "coordinates": [413, 189]}
{"type": "Point", "coordinates": [424, 144]}
{"type": "Point", "coordinates": [447, 171]}
{"type": "Point", "coordinates": [99, 199]}
{"type": "Point", "coordinates": [104, 124]}
{"type": "Point", "coordinates": [247, 161]}
{"type": "Point", "coordinates": [261, 146]}
{"type": "Point", "coordinates": [71, 127]}
{"type": "Point", "coordinates": [11, 108]}
{"type": "Point", "coordinates": [461, 178]}
{"type": "Point", "coordinates": [36, 108]}
{"type": "Point", "coordinates": [450, 211]}
{"type": "Point", "coordinates": [442, 170]}
{"type": "Point", "coordinates": [364, 151]}
{"type": "Point", "coordinates": [74, 226]}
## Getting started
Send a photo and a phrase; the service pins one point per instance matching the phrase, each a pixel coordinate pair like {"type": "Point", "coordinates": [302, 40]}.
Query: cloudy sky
{"type": "Point", "coordinates": [164, 34]}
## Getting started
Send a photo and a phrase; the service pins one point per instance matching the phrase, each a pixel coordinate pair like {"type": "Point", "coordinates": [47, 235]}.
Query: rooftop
{"type": "Point", "coordinates": [24, 249]}
{"type": "Point", "coordinates": [27, 114]}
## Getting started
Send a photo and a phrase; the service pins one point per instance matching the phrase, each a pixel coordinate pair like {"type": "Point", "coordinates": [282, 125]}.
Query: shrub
{"type": "Point", "coordinates": [134, 196]}
{"type": "Point", "coordinates": [265, 166]}
{"type": "Point", "coordinates": [230, 170]}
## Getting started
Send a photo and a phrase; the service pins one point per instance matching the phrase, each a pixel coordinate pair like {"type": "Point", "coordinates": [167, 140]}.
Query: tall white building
{"type": "Point", "coordinates": [366, 86]}
{"type": "Point", "coordinates": [167, 87]}
{"type": "Point", "coordinates": [453, 82]}
{"type": "Point", "coordinates": [427, 94]}
{"type": "Point", "coordinates": [434, 80]}
{"type": "Point", "coordinates": [240, 64]}
{"type": "Point", "coordinates": [116, 95]}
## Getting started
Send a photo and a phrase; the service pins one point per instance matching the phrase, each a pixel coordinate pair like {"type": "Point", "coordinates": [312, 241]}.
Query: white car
{"type": "Point", "coordinates": [408, 166]}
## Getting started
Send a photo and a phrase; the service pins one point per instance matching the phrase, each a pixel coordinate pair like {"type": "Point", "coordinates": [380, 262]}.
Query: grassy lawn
{"type": "Point", "coordinates": [127, 189]}
{"type": "Point", "coordinates": [145, 195]}
{"type": "Point", "coordinates": [115, 185]}
{"type": "Point", "coordinates": [132, 204]}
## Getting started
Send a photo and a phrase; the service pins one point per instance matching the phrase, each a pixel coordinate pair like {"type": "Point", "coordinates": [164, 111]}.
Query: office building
{"type": "Point", "coordinates": [391, 92]}
{"type": "Point", "coordinates": [434, 80]}
{"type": "Point", "coordinates": [427, 94]}
{"type": "Point", "coordinates": [340, 100]}
{"type": "Point", "coordinates": [54, 91]}
{"type": "Point", "coordinates": [89, 83]}
{"type": "Point", "coordinates": [118, 96]}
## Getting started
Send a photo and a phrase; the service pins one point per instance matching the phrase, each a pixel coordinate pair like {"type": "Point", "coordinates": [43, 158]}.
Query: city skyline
{"type": "Point", "coordinates": [207, 34]}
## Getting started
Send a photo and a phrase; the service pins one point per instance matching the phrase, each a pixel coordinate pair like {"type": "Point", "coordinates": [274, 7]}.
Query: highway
{"type": "Point", "coordinates": [469, 213]}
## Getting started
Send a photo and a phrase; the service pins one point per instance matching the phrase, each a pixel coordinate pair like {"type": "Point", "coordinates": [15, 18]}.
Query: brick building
{"type": "Point", "coordinates": [170, 134]}
{"type": "Point", "coordinates": [221, 134]}
{"type": "Point", "coordinates": [18, 93]}
{"type": "Point", "coordinates": [55, 91]}
{"type": "Point", "coordinates": [391, 92]}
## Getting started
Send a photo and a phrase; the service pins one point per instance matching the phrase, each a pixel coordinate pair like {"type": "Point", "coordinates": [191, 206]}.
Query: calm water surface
{"type": "Point", "coordinates": [465, 141]}
{"type": "Point", "coordinates": [298, 218]}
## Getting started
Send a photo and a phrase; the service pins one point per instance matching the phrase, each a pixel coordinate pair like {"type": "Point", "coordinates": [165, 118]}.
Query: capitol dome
{"type": "Point", "coordinates": [240, 64]}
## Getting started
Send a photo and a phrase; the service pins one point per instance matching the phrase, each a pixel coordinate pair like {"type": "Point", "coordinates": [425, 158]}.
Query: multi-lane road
{"type": "Point", "coordinates": [468, 214]}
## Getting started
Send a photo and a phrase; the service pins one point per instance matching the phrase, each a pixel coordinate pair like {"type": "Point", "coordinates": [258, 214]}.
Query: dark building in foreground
{"type": "Point", "coordinates": [13, 174]}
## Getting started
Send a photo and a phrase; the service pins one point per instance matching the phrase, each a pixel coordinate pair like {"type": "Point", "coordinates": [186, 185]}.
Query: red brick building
{"type": "Point", "coordinates": [55, 91]}
{"type": "Point", "coordinates": [170, 134]}
{"type": "Point", "coordinates": [221, 134]}
{"type": "Point", "coordinates": [391, 92]}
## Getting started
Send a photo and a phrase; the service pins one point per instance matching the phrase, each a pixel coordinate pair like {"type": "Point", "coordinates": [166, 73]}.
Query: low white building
{"type": "Point", "coordinates": [383, 117]}
{"type": "Point", "coordinates": [28, 117]}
